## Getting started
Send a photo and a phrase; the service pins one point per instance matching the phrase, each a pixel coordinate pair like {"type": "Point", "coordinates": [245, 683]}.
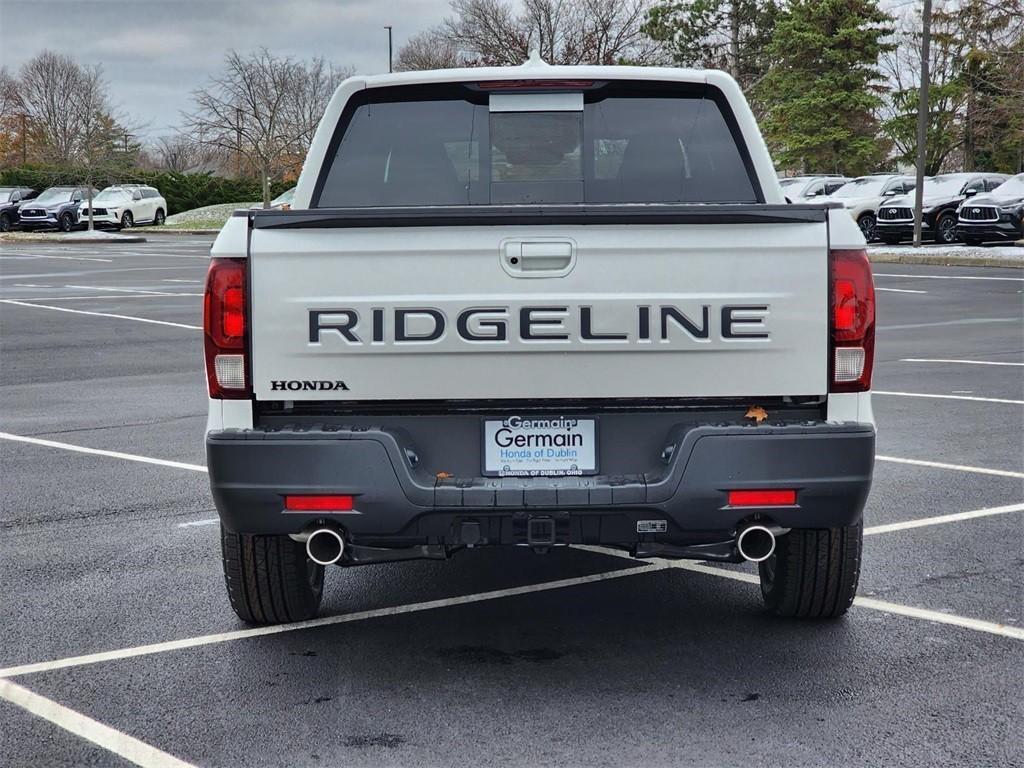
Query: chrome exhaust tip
{"type": "Point", "coordinates": [325, 546]}
{"type": "Point", "coordinates": [756, 543]}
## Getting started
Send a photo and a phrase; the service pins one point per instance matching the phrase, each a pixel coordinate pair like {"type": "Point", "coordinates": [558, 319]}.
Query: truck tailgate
{"type": "Point", "coordinates": [648, 310]}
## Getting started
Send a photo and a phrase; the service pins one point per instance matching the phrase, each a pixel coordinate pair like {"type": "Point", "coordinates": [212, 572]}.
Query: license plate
{"type": "Point", "coordinates": [521, 446]}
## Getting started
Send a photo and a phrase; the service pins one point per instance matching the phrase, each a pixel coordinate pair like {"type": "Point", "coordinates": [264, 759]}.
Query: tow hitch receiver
{"type": "Point", "coordinates": [540, 531]}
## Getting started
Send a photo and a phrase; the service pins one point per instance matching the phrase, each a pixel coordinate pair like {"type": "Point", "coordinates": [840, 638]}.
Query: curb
{"type": "Point", "coordinates": [945, 261]}
{"type": "Point", "coordinates": [161, 231]}
{"type": "Point", "coordinates": [74, 240]}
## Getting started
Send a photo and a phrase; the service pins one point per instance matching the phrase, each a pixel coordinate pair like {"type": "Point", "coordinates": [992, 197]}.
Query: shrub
{"type": "Point", "coordinates": [183, 191]}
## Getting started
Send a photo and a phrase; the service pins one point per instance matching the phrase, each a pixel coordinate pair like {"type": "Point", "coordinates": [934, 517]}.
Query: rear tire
{"type": "Point", "coordinates": [66, 222]}
{"type": "Point", "coordinates": [127, 220]}
{"type": "Point", "coordinates": [5, 222]}
{"type": "Point", "coordinates": [159, 218]}
{"type": "Point", "coordinates": [269, 578]}
{"type": "Point", "coordinates": [813, 574]}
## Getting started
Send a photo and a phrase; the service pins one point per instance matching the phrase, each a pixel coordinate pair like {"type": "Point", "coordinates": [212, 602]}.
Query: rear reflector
{"type": "Point", "coordinates": [318, 503]}
{"type": "Point", "coordinates": [762, 498]}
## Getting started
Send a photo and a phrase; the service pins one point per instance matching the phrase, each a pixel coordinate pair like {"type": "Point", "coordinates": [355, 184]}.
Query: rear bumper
{"type": "Point", "coordinates": [830, 466]}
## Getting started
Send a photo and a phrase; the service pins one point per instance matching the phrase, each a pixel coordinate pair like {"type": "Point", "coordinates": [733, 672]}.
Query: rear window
{"type": "Point", "coordinates": [630, 143]}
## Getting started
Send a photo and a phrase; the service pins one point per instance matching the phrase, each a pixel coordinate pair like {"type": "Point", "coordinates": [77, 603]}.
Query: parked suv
{"type": "Point", "coordinates": [862, 196]}
{"type": "Point", "coordinates": [801, 189]}
{"type": "Point", "coordinates": [56, 208]}
{"type": "Point", "coordinates": [941, 197]}
{"type": "Point", "coordinates": [998, 215]}
{"type": "Point", "coordinates": [123, 206]}
{"type": "Point", "coordinates": [10, 199]}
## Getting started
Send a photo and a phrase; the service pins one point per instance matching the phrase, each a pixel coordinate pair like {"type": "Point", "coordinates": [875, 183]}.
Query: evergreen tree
{"type": "Point", "coordinates": [824, 86]}
{"type": "Point", "coordinates": [719, 34]}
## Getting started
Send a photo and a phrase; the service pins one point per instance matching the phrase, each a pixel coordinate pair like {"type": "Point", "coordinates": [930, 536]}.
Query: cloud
{"type": "Point", "coordinates": [155, 54]}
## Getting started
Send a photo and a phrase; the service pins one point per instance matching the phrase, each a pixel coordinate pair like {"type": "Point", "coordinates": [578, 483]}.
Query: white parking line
{"type": "Point", "coordinates": [897, 290]}
{"type": "Point", "coordinates": [953, 467]}
{"type": "Point", "coordinates": [653, 566]}
{"type": "Point", "coordinates": [965, 622]}
{"type": "Point", "coordinates": [67, 258]}
{"type": "Point", "coordinates": [961, 362]}
{"type": "Point", "coordinates": [102, 314]}
{"type": "Point", "coordinates": [964, 321]}
{"type": "Point", "coordinates": [956, 517]}
{"type": "Point", "coordinates": [110, 739]}
{"type": "Point", "coordinates": [199, 523]}
{"type": "Point", "coordinates": [325, 621]}
{"type": "Point", "coordinates": [99, 297]}
{"type": "Point", "coordinates": [949, 397]}
{"type": "Point", "coordinates": [94, 272]}
{"type": "Point", "coordinates": [113, 288]}
{"type": "Point", "coordinates": [949, 277]}
{"type": "Point", "coordinates": [99, 452]}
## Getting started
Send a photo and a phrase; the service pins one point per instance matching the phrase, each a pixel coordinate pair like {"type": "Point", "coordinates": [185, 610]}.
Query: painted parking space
{"type": "Point", "coordinates": [490, 657]}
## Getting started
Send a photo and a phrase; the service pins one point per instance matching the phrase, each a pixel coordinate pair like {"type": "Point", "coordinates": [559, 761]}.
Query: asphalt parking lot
{"type": "Point", "coordinates": [119, 646]}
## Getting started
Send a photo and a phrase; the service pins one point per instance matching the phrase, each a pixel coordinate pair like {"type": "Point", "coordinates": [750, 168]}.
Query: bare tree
{"type": "Point", "coordinates": [501, 33]}
{"type": "Point", "coordinates": [432, 49]}
{"type": "Point", "coordinates": [54, 91]}
{"type": "Point", "coordinates": [314, 85]}
{"type": "Point", "coordinates": [9, 104]}
{"type": "Point", "coordinates": [262, 108]}
{"type": "Point", "coordinates": [181, 153]}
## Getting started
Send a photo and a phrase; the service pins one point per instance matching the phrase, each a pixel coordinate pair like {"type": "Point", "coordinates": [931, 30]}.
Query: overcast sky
{"type": "Point", "coordinates": [154, 52]}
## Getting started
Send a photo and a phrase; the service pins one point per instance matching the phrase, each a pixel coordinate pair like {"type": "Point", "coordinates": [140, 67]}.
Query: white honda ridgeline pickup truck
{"type": "Point", "coordinates": [539, 306]}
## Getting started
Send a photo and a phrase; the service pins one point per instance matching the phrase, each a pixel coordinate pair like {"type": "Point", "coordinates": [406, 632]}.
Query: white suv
{"type": "Point", "coordinates": [862, 196]}
{"type": "Point", "coordinates": [126, 205]}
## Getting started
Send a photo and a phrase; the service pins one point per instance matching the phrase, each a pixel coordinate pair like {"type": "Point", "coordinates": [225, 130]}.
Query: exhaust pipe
{"type": "Point", "coordinates": [756, 543]}
{"type": "Point", "coordinates": [324, 546]}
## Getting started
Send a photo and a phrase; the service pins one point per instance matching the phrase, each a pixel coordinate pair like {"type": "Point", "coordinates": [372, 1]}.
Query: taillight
{"type": "Point", "coordinates": [852, 347]}
{"type": "Point", "coordinates": [224, 327]}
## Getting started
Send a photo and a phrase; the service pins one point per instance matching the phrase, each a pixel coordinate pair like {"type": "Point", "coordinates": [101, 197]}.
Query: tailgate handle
{"type": "Point", "coordinates": [538, 258]}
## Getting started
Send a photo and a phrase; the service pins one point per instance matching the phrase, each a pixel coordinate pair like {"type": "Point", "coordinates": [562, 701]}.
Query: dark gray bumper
{"type": "Point", "coordinates": [251, 471]}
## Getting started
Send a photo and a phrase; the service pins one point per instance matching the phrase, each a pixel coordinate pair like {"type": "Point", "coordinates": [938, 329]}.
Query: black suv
{"type": "Point", "coordinates": [10, 199]}
{"type": "Point", "coordinates": [998, 215]}
{"type": "Point", "coordinates": [56, 208]}
{"type": "Point", "coordinates": [942, 196]}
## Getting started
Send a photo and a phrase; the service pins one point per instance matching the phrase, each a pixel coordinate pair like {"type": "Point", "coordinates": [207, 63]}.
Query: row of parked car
{"type": "Point", "coordinates": [957, 207]}
{"type": "Point", "coordinates": [121, 206]}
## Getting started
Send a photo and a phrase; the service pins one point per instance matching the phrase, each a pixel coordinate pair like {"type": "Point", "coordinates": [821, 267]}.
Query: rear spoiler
{"type": "Point", "coordinates": [496, 215]}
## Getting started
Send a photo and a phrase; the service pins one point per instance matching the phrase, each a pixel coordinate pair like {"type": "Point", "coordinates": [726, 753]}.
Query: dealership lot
{"type": "Point", "coordinates": [119, 645]}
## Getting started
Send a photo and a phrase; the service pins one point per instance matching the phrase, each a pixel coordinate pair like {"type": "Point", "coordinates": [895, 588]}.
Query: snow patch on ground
{"type": "Point", "coordinates": [207, 213]}
{"type": "Point", "coordinates": [959, 252]}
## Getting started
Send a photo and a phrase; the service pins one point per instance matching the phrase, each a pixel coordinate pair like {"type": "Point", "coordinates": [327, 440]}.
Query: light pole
{"type": "Point", "coordinates": [388, 28]}
{"type": "Point", "coordinates": [24, 139]}
{"type": "Point", "coordinates": [922, 120]}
